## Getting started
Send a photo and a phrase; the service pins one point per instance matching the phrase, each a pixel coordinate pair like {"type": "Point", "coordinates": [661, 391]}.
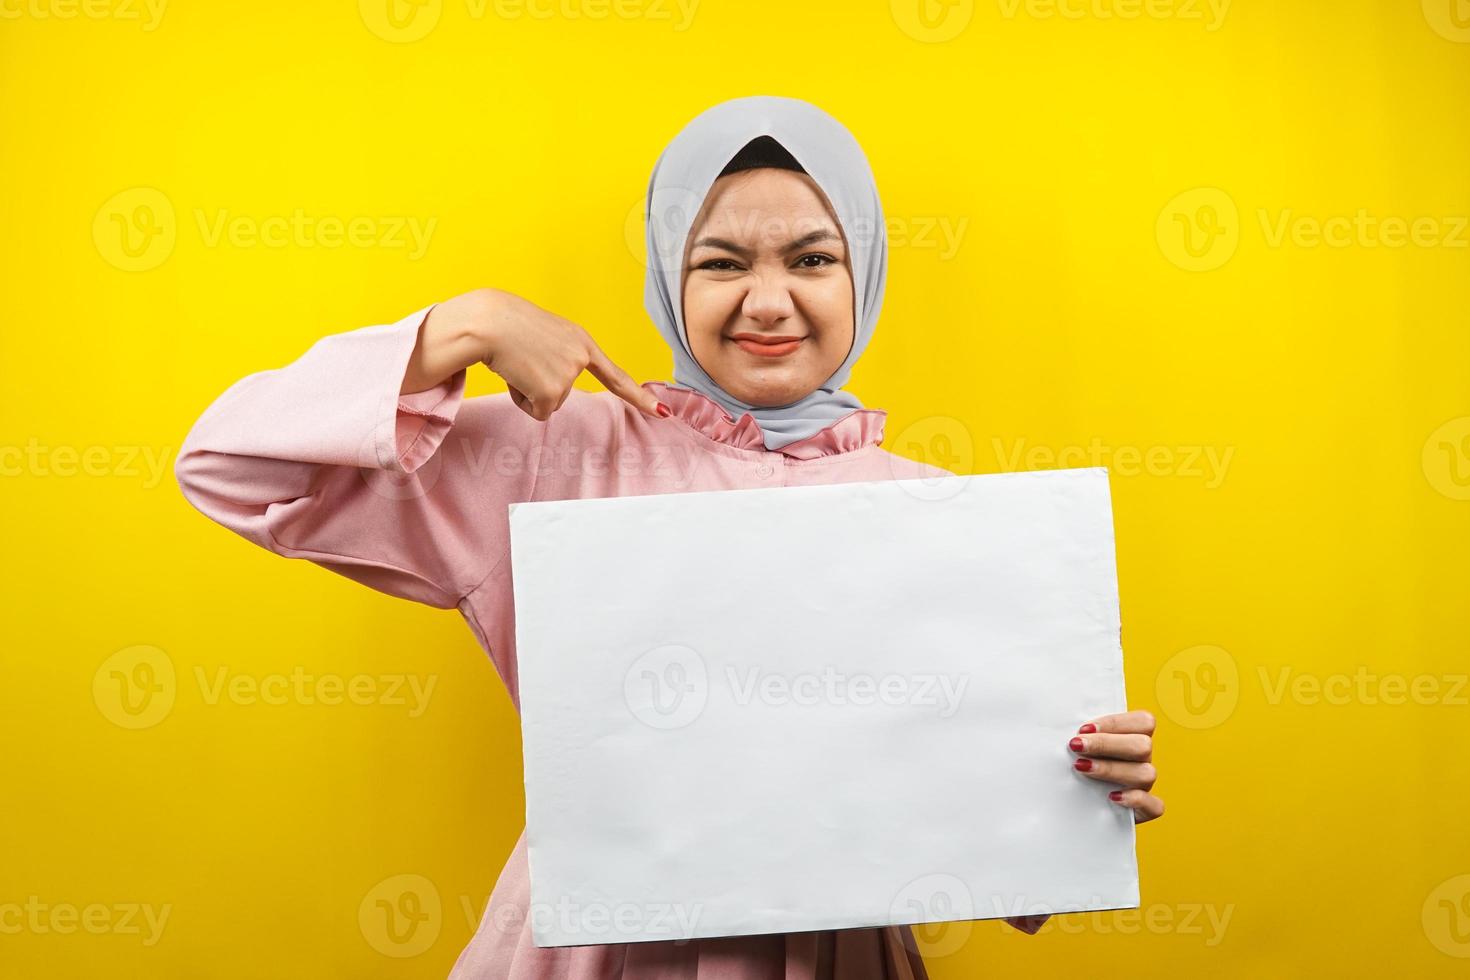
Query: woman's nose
{"type": "Point", "coordinates": [769, 300]}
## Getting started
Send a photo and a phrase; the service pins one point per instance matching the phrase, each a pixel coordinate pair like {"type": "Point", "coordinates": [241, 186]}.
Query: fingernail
{"type": "Point", "coordinates": [1116, 796]}
{"type": "Point", "coordinates": [1083, 765]}
{"type": "Point", "coordinates": [1077, 745]}
{"type": "Point", "coordinates": [1088, 728]}
{"type": "Point", "coordinates": [663, 410]}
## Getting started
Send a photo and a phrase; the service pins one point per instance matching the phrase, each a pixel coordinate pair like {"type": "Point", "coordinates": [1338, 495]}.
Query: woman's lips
{"type": "Point", "coordinates": [769, 347]}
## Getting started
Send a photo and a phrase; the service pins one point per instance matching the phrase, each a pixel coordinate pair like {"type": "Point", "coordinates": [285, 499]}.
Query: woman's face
{"type": "Point", "coordinates": [768, 302]}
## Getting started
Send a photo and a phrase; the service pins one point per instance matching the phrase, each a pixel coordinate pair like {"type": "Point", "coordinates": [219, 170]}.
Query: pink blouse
{"type": "Point", "coordinates": [323, 459]}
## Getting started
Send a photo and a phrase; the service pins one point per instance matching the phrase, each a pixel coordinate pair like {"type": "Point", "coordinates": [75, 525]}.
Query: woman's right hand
{"type": "Point", "coordinates": [536, 352]}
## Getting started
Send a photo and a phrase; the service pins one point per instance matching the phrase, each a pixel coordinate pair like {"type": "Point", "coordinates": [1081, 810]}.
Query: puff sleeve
{"type": "Point", "coordinates": [324, 459]}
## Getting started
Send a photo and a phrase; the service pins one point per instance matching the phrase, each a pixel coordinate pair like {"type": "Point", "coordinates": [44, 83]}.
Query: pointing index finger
{"type": "Point", "coordinates": [620, 383]}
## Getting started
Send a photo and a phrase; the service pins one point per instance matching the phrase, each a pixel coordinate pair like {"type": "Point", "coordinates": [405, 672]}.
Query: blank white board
{"type": "Point", "coordinates": [827, 707]}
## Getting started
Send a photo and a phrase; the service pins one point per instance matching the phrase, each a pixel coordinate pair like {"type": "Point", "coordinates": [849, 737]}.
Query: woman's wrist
{"type": "Point", "coordinates": [454, 335]}
{"type": "Point", "coordinates": [486, 313]}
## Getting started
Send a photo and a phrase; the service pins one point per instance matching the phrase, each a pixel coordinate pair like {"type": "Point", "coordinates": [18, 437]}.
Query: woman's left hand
{"type": "Point", "coordinates": [1120, 749]}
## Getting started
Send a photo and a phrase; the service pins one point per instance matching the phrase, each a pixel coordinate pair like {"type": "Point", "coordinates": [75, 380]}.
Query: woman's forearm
{"type": "Point", "coordinates": [451, 338]}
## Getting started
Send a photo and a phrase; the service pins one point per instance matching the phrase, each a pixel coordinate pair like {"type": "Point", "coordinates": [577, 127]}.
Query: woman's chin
{"type": "Point", "coordinates": [775, 387]}
{"type": "Point", "coordinates": [774, 400]}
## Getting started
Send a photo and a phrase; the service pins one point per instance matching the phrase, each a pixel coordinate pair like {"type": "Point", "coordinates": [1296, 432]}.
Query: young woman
{"type": "Point", "coordinates": [767, 259]}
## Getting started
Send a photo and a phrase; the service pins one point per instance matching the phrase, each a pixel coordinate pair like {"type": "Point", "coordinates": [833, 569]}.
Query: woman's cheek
{"type": "Point", "coordinates": [702, 324]}
{"type": "Point", "coordinates": [835, 319]}
{"type": "Point", "coordinates": [836, 341]}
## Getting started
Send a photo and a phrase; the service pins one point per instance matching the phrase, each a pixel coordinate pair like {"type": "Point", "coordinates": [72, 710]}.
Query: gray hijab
{"type": "Point", "coordinates": [683, 176]}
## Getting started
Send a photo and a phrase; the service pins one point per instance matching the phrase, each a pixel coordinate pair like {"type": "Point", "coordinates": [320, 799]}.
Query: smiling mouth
{"type": "Point", "coordinates": [767, 346]}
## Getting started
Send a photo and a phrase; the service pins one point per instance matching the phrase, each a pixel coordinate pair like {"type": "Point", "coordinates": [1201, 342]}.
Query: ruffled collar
{"type": "Point", "coordinates": [855, 430]}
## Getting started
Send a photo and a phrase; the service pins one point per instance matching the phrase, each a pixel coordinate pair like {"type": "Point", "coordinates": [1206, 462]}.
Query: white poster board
{"type": "Point", "coordinates": [799, 708]}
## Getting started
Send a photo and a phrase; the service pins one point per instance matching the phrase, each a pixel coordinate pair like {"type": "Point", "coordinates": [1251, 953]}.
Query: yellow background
{"type": "Point", "coordinates": [1068, 150]}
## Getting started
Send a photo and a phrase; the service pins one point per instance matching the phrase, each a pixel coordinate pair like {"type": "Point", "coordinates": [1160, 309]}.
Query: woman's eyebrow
{"type": "Point", "coordinates": [821, 235]}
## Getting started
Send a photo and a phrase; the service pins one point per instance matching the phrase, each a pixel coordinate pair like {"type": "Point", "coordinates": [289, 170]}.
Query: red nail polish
{"type": "Point", "coordinates": [1083, 765]}
{"type": "Point", "coordinates": [1076, 745]}
{"type": "Point", "coordinates": [663, 410]}
{"type": "Point", "coordinates": [1088, 728]}
{"type": "Point", "coordinates": [1116, 796]}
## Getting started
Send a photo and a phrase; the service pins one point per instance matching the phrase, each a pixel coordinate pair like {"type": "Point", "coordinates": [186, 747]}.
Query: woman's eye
{"type": "Point", "coordinates": [814, 260]}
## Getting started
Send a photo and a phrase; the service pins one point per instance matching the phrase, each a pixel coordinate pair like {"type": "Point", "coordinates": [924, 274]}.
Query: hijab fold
{"type": "Point", "coordinates": [682, 178]}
